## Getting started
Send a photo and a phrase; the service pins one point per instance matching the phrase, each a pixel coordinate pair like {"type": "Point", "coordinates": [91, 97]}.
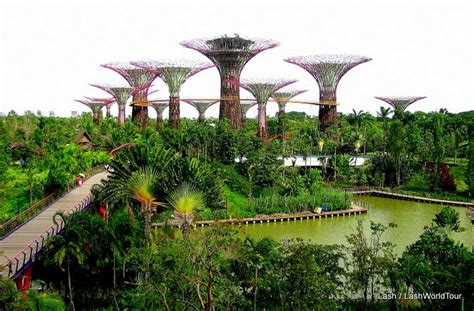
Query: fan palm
{"type": "Point", "coordinates": [140, 188]}
{"type": "Point", "coordinates": [185, 200]}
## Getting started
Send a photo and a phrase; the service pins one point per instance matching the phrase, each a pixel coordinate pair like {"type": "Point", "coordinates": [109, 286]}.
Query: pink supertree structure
{"type": "Point", "coordinates": [109, 102]}
{"type": "Point", "coordinates": [282, 98]}
{"type": "Point", "coordinates": [327, 70]}
{"type": "Point", "coordinates": [262, 89]}
{"type": "Point", "coordinates": [136, 77]}
{"type": "Point", "coordinates": [121, 95]}
{"type": "Point", "coordinates": [230, 55]}
{"type": "Point", "coordinates": [201, 106]}
{"type": "Point", "coordinates": [159, 106]}
{"type": "Point", "coordinates": [174, 73]}
{"type": "Point", "coordinates": [400, 103]}
{"type": "Point", "coordinates": [244, 108]}
{"type": "Point", "coordinates": [95, 106]}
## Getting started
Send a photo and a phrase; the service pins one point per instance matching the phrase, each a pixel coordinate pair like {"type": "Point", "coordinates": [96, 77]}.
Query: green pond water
{"type": "Point", "coordinates": [410, 217]}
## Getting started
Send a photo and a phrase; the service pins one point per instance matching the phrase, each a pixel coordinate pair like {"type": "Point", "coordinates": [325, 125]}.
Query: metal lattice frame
{"type": "Point", "coordinates": [244, 108]}
{"type": "Point", "coordinates": [121, 95]}
{"type": "Point", "coordinates": [95, 106]}
{"type": "Point", "coordinates": [400, 103]}
{"type": "Point", "coordinates": [136, 77]}
{"type": "Point", "coordinates": [328, 70]}
{"type": "Point", "coordinates": [109, 102]}
{"type": "Point", "coordinates": [201, 106]}
{"type": "Point", "coordinates": [159, 106]}
{"type": "Point", "coordinates": [230, 55]}
{"type": "Point", "coordinates": [174, 73]}
{"type": "Point", "coordinates": [262, 89]}
{"type": "Point", "coordinates": [282, 98]}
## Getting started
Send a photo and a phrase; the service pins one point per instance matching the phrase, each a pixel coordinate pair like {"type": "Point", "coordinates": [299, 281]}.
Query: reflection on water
{"type": "Point", "coordinates": [410, 217]}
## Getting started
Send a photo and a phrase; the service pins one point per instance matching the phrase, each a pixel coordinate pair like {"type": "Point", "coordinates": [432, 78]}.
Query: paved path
{"type": "Point", "coordinates": [23, 243]}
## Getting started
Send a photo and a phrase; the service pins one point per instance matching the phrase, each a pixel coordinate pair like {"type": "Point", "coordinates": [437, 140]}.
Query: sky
{"type": "Point", "coordinates": [50, 51]}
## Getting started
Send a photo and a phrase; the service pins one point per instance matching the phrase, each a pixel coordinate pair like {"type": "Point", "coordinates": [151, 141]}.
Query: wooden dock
{"type": "Point", "coordinates": [355, 210]}
{"type": "Point", "coordinates": [20, 246]}
{"type": "Point", "coordinates": [399, 196]}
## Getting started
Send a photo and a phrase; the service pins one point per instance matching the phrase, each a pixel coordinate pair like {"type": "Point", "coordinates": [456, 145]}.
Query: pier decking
{"type": "Point", "coordinates": [355, 210]}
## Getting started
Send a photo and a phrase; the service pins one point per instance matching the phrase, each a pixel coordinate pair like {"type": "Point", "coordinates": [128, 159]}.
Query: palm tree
{"type": "Point", "coordinates": [185, 200]}
{"type": "Point", "coordinates": [140, 188]}
{"type": "Point", "coordinates": [68, 247]}
{"type": "Point", "coordinates": [384, 113]}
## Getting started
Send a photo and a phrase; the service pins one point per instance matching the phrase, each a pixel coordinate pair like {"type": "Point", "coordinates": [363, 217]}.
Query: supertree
{"type": "Point", "coordinates": [244, 108]}
{"type": "Point", "coordinates": [400, 103]}
{"type": "Point", "coordinates": [159, 106]}
{"type": "Point", "coordinates": [282, 98]}
{"type": "Point", "coordinates": [174, 73]}
{"type": "Point", "coordinates": [121, 95]}
{"type": "Point", "coordinates": [109, 102]}
{"type": "Point", "coordinates": [201, 106]}
{"type": "Point", "coordinates": [230, 55]}
{"type": "Point", "coordinates": [262, 90]}
{"type": "Point", "coordinates": [95, 106]}
{"type": "Point", "coordinates": [136, 77]}
{"type": "Point", "coordinates": [327, 70]}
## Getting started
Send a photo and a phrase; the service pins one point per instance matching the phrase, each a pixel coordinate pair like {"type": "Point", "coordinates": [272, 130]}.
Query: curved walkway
{"type": "Point", "coordinates": [21, 245]}
{"type": "Point", "coordinates": [400, 196]}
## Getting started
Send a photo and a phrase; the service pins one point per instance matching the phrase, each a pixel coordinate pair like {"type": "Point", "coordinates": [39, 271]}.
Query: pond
{"type": "Point", "coordinates": [410, 218]}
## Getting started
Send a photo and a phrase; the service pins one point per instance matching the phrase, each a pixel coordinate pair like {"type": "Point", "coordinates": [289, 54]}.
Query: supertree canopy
{"type": "Point", "coordinates": [282, 99]}
{"type": "Point", "coordinates": [327, 70]}
{"type": "Point", "coordinates": [174, 74]}
{"type": "Point", "coordinates": [95, 106]}
{"type": "Point", "coordinates": [230, 54]}
{"type": "Point", "coordinates": [109, 102]}
{"type": "Point", "coordinates": [159, 106]}
{"type": "Point", "coordinates": [201, 106]}
{"type": "Point", "coordinates": [244, 108]}
{"type": "Point", "coordinates": [400, 103]}
{"type": "Point", "coordinates": [262, 90]}
{"type": "Point", "coordinates": [136, 77]}
{"type": "Point", "coordinates": [121, 95]}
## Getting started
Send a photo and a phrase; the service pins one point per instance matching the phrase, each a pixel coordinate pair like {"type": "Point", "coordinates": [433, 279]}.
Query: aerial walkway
{"type": "Point", "coordinates": [21, 245]}
{"type": "Point", "coordinates": [400, 196]}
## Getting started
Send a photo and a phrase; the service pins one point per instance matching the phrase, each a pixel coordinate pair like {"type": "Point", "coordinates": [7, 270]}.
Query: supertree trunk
{"type": "Point", "coordinates": [201, 117]}
{"type": "Point", "coordinates": [244, 119]}
{"type": "Point", "coordinates": [262, 131]}
{"type": "Point", "coordinates": [327, 113]}
{"type": "Point", "coordinates": [159, 120]}
{"type": "Point", "coordinates": [281, 118]}
{"type": "Point", "coordinates": [96, 117]}
{"type": "Point", "coordinates": [174, 110]}
{"type": "Point", "coordinates": [121, 114]}
{"type": "Point", "coordinates": [108, 113]}
{"type": "Point", "coordinates": [140, 111]}
{"type": "Point", "coordinates": [230, 103]}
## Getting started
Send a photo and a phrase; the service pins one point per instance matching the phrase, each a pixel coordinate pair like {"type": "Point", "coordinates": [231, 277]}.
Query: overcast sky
{"type": "Point", "coordinates": [50, 51]}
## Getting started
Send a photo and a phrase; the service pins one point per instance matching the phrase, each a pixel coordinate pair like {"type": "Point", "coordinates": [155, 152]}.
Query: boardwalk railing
{"type": "Point", "coordinates": [23, 217]}
{"type": "Point", "coordinates": [384, 192]}
{"type": "Point", "coordinates": [20, 260]}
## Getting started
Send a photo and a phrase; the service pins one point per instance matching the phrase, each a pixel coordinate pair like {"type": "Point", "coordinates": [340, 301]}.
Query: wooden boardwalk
{"type": "Point", "coordinates": [21, 245]}
{"type": "Point", "coordinates": [400, 196]}
{"type": "Point", "coordinates": [354, 210]}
